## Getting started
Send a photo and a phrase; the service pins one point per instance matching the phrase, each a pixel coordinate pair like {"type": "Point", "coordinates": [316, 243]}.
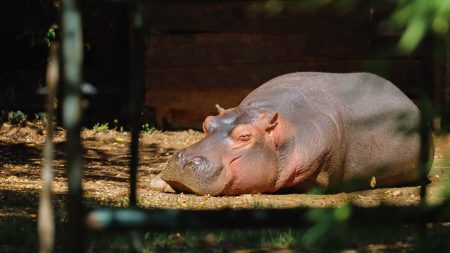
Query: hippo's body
{"type": "Point", "coordinates": [301, 130]}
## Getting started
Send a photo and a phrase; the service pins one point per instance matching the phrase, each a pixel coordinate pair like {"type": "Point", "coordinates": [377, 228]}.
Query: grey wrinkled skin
{"type": "Point", "coordinates": [302, 130]}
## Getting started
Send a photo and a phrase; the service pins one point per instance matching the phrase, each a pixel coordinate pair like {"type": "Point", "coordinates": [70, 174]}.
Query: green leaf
{"type": "Point", "coordinates": [413, 35]}
{"type": "Point", "coordinates": [342, 213]}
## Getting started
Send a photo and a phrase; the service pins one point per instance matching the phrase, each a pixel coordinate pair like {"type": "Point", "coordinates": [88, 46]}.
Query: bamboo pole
{"type": "Point", "coordinates": [46, 220]}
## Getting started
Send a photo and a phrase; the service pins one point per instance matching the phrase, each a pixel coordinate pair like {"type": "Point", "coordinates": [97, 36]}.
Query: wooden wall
{"type": "Point", "coordinates": [214, 52]}
{"type": "Point", "coordinates": [23, 56]}
{"type": "Point", "coordinates": [203, 53]}
{"type": "Point", "coordinates": [23, 53]}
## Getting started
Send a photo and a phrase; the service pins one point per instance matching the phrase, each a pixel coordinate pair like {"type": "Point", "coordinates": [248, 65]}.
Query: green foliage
{"type": "Point", "coordinates": [257, 205]}
{"type": "Point", "coordinates": [273, 6]}
{"type": "Point", "coordinates": [278, 239]}
{"type": "Point", "coordinates": [260, 205]}
{"type": "Point", "coordinates": [419, 17]}
{"type": "Point", "coordinates": [329, 225]}
{"type": "Point", "coordinates": [147, 129]}
{"type": "Point", "coordinates": [17, 117]}
{"type": "Point", "coordinates": [415, 18]}
{"type": "Point", "coordinates": [222, 240]}
{"type": "Point", "coordinates": [41, 116]}
{"type": "Point", "coordinates": [50, 36]}
{"type": "Point", "coordinates": [101, 127]}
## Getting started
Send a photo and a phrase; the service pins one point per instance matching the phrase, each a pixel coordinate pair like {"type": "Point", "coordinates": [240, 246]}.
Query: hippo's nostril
{"type": "Point", "coordinates": [197, 163]}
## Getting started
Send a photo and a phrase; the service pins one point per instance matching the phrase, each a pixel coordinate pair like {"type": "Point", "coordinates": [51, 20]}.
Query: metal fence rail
{"type": "Point", "coordinates": [117, 218]}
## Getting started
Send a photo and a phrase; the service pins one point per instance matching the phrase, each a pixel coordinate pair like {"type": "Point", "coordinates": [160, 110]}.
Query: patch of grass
{"type": "Point", "coordinates": [98, 127]}
{"type": "Point", "coordinates": [16, 117]}
{"type": "Point", "coordinates": [19, 232]}
{"type": "Point", "coordinates": [277, 239]}
{"type": "Point", "coordinates": [260, 205]}
{"type": "Point", "coordinates": [41, 116]}
{"type": "Point", "coordinates": [257, 205]}
{"type": "Point", "coordinates": [147, 129]}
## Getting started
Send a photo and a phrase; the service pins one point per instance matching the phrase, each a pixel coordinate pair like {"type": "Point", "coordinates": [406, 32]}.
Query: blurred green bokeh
{"type": "Point", "coordinates": [418, 18]}
{"type": "Point", "coordinates": [415, 19]}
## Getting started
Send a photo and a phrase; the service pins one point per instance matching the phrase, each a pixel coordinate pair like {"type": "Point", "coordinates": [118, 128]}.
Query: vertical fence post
{"type": "Point", "coordinates": [46, 220]}
{"type": "Point", "coordinates": [137, 79]}
{"type": "Point", "coordinates": [72, 52]}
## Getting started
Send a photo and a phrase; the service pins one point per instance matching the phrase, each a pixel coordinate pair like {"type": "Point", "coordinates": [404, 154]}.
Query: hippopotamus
{"type": "Point", "coordinates": [302, 130]}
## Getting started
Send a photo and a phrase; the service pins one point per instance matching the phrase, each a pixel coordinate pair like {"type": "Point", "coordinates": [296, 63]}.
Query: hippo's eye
{"type": "Point", "coordinates": [244, 137]}
{"type": "Point", "coordinates": [242, 133]}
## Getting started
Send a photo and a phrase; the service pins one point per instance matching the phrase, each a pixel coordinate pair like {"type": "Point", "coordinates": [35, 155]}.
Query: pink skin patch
{"type": "Point", "coordinates": [252, 163]}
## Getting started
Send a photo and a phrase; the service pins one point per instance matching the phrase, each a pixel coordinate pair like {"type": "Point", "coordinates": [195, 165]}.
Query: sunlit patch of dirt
{"type": "Point", "coordinates": [106, 172]}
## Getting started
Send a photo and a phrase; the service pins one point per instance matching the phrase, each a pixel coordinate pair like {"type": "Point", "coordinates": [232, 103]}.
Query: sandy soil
{"type": "Point", "coordinates": [106, 173]}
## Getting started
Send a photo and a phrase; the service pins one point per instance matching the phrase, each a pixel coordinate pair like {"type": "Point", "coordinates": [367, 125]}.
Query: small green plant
{"type": "Point", "coordinates": [147, 129]}
{"type": "Point", "coordinates": [16, 117]}
{"type": "Point", "coordinates": [101, 127]}
{"type": "Point", "coordinates": [50, 36]}
{"type": "Point", "coordinates": [41, 116]}
{"type": "Point", "coordinates": [257, 204]}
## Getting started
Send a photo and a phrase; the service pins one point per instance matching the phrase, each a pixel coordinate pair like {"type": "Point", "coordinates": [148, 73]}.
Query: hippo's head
{"type": "Point", "coordinates": [237, 155]}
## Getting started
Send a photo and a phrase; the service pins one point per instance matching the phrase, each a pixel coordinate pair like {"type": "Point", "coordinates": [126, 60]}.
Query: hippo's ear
{"type": "Point", "coordinates": [269, 120]}
{"type": "Point", "coordinates": [220, 109]}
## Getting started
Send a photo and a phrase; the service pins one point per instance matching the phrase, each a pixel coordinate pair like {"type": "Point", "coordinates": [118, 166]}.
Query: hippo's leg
{"type": "Point", "coordinates": [160, 185]}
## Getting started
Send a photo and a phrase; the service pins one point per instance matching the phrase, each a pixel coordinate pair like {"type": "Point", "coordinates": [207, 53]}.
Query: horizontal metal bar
{"type": "Point", "coordinates": [111, 218]}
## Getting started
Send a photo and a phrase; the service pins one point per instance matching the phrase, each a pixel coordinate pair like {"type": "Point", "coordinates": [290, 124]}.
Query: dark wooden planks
{"type": "Point", "coordinates": [405, 73]}
{"type": "Point", "coordinates": [184, 96]}
{"type": "Point", "coordinates": [256, 16]}
{"type": "Point", "coordinates": [187, 107]}
{"type": "Point", "coordinates": [210, 48]}
{"type": "Point", "coordinates": [199, 52]}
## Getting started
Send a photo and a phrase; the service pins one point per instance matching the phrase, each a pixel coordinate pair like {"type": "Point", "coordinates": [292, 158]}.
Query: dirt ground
{"type": "Point", "coordinates": [106, 172]}
{"type": "Point", "coordinates": [105, 182]}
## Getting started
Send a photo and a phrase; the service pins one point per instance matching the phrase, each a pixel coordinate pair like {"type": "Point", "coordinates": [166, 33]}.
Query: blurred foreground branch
{"type": "Point", "coordinates": [46, 221]}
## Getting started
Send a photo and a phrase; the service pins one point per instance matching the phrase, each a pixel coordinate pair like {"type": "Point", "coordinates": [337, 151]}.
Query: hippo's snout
{"type": "Point", "coordinates": [189, 172]}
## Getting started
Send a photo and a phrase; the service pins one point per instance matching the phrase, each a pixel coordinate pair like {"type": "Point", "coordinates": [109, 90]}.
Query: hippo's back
{"type": "Point", "coordinates": [357, 91]}
{"type": "Point", "coordinates": [375, 118]}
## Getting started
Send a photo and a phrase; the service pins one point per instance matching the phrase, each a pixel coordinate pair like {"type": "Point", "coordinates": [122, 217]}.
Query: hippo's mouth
{"type": "Point", "coordinates": [235, 159]}
{"type": "Point", "coordinates": [179, 187]}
